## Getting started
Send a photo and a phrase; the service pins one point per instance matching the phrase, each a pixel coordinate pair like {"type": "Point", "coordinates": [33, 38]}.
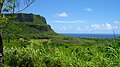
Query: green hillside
{"type": "Point", "coordinates": [28, 26]}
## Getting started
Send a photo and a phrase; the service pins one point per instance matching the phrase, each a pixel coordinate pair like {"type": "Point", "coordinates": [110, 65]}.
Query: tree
{"type": "Point", "coordinates": [10, 6]}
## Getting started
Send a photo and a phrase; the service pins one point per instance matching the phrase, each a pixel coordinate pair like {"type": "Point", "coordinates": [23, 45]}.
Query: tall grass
{"type": "Point", "coordinates": [39, 54]}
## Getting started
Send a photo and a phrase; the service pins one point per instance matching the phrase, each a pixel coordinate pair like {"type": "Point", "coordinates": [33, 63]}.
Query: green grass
{"type": "Point", "coordinates": [46, 53]}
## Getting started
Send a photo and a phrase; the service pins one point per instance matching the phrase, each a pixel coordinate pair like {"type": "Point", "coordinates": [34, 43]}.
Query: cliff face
{"type": "Point", "coordinates": [23, 17]}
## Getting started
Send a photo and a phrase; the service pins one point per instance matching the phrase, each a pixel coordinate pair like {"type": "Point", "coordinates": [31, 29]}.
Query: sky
{"type": "Point", "coordinates": [79, 16]}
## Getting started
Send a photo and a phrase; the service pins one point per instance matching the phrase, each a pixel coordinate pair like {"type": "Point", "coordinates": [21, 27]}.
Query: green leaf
{"type": "Point", "coordinates": [1, 4]}
{"type": "Point", "coordinates": [5, 10]}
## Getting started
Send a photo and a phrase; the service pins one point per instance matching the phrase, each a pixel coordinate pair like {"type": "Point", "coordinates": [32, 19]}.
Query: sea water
{"type": "Point", "coordinates": [92, 35]}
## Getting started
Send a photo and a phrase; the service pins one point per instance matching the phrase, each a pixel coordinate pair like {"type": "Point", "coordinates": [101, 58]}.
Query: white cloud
{"type": "Point", "coordinates": [64, 28]}
{"type": "Point", "coordinates": [93, 28]}
{"type": "Point", "coordinates": [63, 14]}
{"type": "Point", "coordinates": [108, 26]}
{"type": "Point", "coordinates": [89, 9]}
{"type": "Point", "coordinates": [72, 21]}
{"type": "Point", "coordinates": [105, 26]}
{"type": "Point", "coordinates": [78, 28]}
{"type": "Point", "coordinates": [116, 22]}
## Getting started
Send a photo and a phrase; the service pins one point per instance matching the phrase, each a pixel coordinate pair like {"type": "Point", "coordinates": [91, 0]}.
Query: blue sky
{"type": "Point", "coordinates": [79, 16]}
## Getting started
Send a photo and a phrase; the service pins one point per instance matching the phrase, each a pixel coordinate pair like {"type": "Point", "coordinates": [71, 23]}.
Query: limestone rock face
{"type": "Point", "coordinates": [24, 17]}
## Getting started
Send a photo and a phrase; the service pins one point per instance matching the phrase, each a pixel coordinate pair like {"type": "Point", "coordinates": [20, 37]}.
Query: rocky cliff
{"type": "Point", "coordinates": [24, 17]}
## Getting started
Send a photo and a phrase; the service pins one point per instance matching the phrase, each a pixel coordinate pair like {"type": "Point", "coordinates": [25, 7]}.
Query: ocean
{"type": "Point", "coordinates": [93, 35]}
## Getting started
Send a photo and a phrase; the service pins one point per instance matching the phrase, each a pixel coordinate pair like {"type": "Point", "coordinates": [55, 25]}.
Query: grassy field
{"type": "Point", "coordinates": [62, 52]}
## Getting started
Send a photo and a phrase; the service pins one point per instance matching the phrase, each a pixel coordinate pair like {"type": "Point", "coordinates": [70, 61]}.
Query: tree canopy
{"type": "Point", "coordinates": [13, 6]}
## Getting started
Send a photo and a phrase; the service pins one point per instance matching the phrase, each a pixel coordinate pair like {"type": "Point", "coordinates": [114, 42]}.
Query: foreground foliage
{"type": "Point", "coordinates": [46, 53]}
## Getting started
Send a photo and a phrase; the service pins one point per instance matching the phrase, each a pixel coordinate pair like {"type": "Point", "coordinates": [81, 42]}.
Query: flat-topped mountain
{"type": "Point", "coordinates": [28, 25]}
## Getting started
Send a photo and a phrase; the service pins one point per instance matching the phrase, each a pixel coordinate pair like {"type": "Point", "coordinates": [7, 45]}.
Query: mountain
{"type": "Point", "coordinates": [28, 26]}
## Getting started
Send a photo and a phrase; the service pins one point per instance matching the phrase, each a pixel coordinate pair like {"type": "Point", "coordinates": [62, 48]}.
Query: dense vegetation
{"type": "Point", "coordinates": [46, 53]}
{"type": "Point", "coordinates": [34, 44]}
{"type": "Point", "coordinates": [22, 27]}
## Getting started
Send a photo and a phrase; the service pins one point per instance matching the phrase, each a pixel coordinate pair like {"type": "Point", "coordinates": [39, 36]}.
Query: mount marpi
{"type": "Point", "coordinates": [28, 26]}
